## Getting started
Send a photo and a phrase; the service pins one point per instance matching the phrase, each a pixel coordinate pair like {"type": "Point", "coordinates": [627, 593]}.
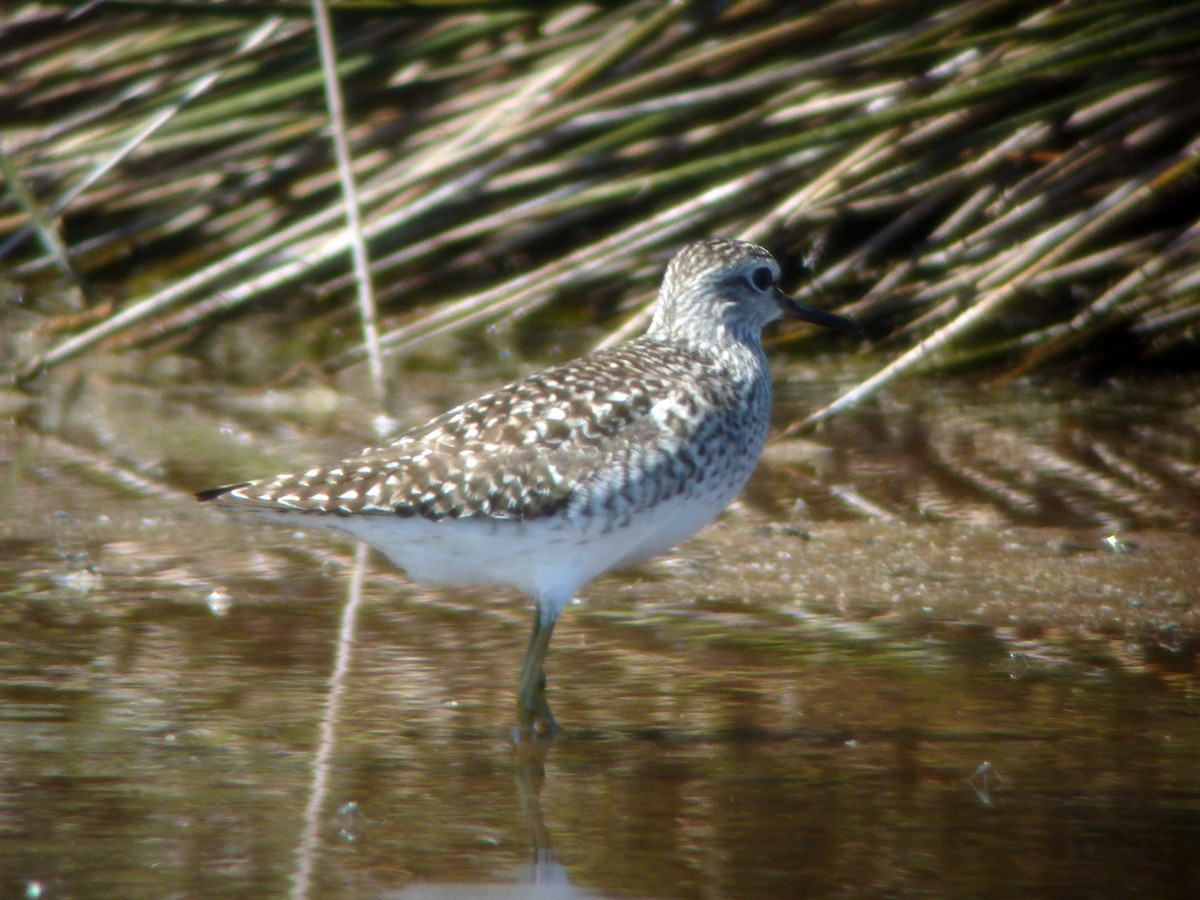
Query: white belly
{"type": "Point", "coordinates": [547, 559]}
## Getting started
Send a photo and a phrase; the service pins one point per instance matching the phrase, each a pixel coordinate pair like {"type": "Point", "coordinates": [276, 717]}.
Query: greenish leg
{"type": "Point", "coordinates": [533, 711]}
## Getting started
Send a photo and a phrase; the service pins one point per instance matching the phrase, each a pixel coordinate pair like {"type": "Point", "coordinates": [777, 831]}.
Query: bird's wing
{"type": "Point", "coordinates": [561, 437]}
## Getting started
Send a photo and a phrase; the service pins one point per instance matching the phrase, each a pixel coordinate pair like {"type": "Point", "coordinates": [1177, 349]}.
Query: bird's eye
{"type": "Point", "coordinates": [762, 278]}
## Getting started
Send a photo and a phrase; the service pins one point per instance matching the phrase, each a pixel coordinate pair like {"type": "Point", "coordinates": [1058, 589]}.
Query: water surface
{"type": "Point", "coordinates": [945, 647]}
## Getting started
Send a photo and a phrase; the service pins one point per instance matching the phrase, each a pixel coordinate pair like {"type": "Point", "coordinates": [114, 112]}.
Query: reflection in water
{"type": "Point", "coordinates": [307, 852]}
{"type": "Point", "coordinates": [531, 777]}
{"type": "Point", "coordinates": [799, 702]}
{"type": "Point", "coordinates": [543, 877]}
{"type": "Point", "coordinates": [1118, 459]}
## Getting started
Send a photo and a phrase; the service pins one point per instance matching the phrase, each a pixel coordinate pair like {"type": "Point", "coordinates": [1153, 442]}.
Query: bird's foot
{"type": "Point", "coordinates": [534, 719]}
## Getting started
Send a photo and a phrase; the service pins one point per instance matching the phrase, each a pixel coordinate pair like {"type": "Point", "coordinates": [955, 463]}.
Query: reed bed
{"type": "Point", "coordinates": [989, 186]}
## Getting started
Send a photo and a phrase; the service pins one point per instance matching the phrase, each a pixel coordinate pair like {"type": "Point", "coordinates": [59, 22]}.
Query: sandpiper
{"type": "Point", "coordinates": [583, 467]}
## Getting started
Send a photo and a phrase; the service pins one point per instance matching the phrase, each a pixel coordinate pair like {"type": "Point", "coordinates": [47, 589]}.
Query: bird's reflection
{"type": "Point", "coordinates": [531, 777]}
{"type": "Point", "coordinates": [542, 877]}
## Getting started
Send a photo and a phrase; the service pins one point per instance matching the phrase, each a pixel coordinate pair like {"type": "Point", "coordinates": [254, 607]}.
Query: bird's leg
{"type": "Point", "coordinates": [533, 711]}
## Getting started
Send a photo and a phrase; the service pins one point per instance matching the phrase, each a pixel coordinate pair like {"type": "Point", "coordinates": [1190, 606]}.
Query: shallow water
{"type": "Point", "coordinates": [946, 647]}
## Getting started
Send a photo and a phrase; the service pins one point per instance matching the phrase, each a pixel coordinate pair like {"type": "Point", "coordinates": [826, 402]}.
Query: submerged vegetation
{"type": "Point", "coordinates": [1000, 186]}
